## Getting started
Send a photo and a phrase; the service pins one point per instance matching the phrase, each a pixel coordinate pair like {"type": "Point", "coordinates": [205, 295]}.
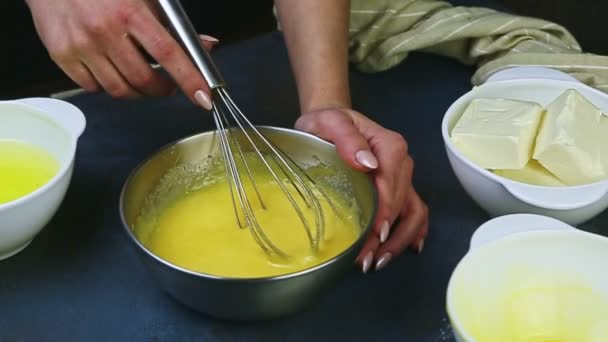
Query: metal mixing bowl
{"type": "Point", "coordinates": [245, 298]}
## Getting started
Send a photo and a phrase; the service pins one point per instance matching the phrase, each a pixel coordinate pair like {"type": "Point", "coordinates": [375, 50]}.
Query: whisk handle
{"type": "Point", "coordinates": [186, 35]}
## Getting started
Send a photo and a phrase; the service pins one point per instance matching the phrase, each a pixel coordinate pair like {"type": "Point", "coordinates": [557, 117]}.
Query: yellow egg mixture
{"type": "Point", "coordinates": [536, 307]}
{"type": "Point", "coordinates": [24, 168]}
{"type": "Point", "coordinates": [199, 230]}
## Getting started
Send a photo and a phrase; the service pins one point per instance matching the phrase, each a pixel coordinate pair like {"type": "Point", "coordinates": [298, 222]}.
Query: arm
{"type": "Point", "coordinates": [316, 33]}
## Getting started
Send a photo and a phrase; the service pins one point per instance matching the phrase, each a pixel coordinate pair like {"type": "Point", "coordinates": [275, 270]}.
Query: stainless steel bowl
{"type": "Point", "coordinates": [244, 298]}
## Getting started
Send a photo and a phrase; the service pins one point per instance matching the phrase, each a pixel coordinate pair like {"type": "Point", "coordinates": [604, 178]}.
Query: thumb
{"type": "Point", "coordinates": [337, 127]}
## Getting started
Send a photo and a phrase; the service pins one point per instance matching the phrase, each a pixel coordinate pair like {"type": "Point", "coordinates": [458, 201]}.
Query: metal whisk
{"type": "Point", "coordinates": [224, 109]}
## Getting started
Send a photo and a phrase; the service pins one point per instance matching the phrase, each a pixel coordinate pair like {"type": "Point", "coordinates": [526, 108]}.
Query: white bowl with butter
{"type": "Point", "coordinates": [50, 128]}
{"type": "Point", "coordinates": [498, 195]}
{"type": "Point", "coordinates": [530, 278]}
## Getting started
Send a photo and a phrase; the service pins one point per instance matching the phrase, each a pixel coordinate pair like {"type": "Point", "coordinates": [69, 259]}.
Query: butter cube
{"type": "Point", "coordinates": [533, 173]}
{"type": "Point", "coordinates": [498, 133]}
{"type": "Point", "coordinates": [569, 140]}
{"type": "Point", "coordinates": [604, 142]}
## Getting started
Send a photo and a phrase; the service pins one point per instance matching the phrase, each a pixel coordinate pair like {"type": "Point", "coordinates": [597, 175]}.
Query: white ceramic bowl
{"type": "Point", "coordinates": [500, 196]}
{"type": "Point", "coordinates": [527, 241]}
{"type": "Point", "coordinates": [54, 125]}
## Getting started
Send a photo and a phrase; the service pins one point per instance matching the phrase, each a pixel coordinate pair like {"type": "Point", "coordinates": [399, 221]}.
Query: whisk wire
{"type": "Point", "coordinates": [314, 183]}
{"type": "Point", "coordinates": [228, 167]}
{"type": "Point", "coordinates": [309, 196]}
{"type": "Point", "coordinates": [291, 181]}
{"type": "Point", "coordinates": [235, 179]}
{"type": "Point", "coordinates": [238, 146]}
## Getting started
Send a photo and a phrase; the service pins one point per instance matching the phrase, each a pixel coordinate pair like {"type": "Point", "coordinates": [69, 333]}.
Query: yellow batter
{"type": "Point", "coordinates": [536, 306]}
{"type": "Point", "coordinates": [199, 231]}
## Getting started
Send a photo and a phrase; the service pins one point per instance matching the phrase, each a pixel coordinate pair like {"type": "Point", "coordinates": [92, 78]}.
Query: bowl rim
{"type": "Point", "coordinates": [65, 165]}
{"type": "Point", "coordinates": [454, 317]}
{"type": "Point", "coordinates": [209, 276]}
{"type": "Point", "coordinates": [528, 82]}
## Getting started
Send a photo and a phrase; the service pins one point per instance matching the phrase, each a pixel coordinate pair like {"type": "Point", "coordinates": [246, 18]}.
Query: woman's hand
{"type": "Point", "coordinates": [368, 147]}
{"type": "Point", "coordinates": [97, 44]}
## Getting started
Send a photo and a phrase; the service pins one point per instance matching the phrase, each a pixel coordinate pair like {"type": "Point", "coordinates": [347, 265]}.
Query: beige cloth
{"type": "Point", "coordinates": [384, 32]}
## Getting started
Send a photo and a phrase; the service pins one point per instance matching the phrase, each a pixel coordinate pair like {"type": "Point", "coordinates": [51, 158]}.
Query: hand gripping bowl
{"type": "Point", "coordinates": [501, 196]}
{"type": "Point", "coordinates": [245, 298]}
{"type": "Point", "coordinates": [506, 245]}
{"type": "Point", "coordinates": [51, 124]}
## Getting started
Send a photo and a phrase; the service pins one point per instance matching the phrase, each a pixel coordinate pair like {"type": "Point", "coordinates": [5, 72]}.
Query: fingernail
{"type": "Point", "coordinates": [383, 261]}
{"type": "Point", "coordinates": [367, 159]}
{"type": "Point", "coordinates": [203, 99]}
{"type": "Point", "coordinates": [208, 38]}
{"type": "Point", "coordinates": [367, 261]}
{"type": "Point", "coordinates": [420, 246]}
{"type": "Point", "coordinates": [384, 230]}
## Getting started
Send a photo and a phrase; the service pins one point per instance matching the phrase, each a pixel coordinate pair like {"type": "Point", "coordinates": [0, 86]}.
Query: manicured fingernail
{"type": "Point", "coordinates": [203, 99]}
{"type": "Point", "coordinates": [420, 246]}
{"type": "Point", "coordinates": [208, 38]}
{"type": "Point", "coordinates": [367, 261]}
{"type": "Point", "coordinates": [381, 263]}
{"type": "Point", "coordinates": [384, 230]}
{"type": "Point", "coordinates": [367, 159]}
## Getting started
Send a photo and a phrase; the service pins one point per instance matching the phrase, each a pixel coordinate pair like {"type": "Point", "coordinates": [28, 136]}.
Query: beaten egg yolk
{"type": "Point", "coordinates": [199, 231]}
{"type": "Point", "coordinates": [24, 168]}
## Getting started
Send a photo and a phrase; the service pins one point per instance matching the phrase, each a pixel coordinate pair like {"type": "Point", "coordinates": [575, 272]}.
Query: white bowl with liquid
{"type": "Point", "coordinates": [55, 126]}
{"type": "Point", "coordinates": [501, 196]}
{"type": "Point", "coordinates": [529, 277]}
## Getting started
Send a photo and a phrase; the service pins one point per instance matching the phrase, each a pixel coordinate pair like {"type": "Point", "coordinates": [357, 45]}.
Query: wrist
{"type": "Point", "coordinates": [325, 108]}
{"type": "Point", "coordinates": [324, 100]}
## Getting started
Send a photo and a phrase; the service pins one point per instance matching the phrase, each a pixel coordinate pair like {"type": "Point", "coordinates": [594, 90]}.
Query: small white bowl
{"type": "Point", "coordinates": [500, 196]}
{"type": "Point", "coordinates": [54, 125]}
{"type": "Point", "coordinates": [511, 242]}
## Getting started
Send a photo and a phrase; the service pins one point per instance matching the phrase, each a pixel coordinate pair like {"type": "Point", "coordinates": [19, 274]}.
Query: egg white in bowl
{"type": "Point", "coordinates": [530, 278]}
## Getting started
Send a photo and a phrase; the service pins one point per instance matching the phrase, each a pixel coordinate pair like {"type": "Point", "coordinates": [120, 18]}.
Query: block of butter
{"type": "Point", "coordinates": [569, 140]}
{"type": "Point", "coordinates": [498, 133]}
{"type": "Point", "coordinates": [533, 173]}
{"type": "Point", "coordinates": [604, 141]}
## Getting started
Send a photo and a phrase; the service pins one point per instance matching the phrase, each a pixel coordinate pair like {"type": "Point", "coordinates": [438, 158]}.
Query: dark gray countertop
{"type": "Point", "coordinates": [80, 279]}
